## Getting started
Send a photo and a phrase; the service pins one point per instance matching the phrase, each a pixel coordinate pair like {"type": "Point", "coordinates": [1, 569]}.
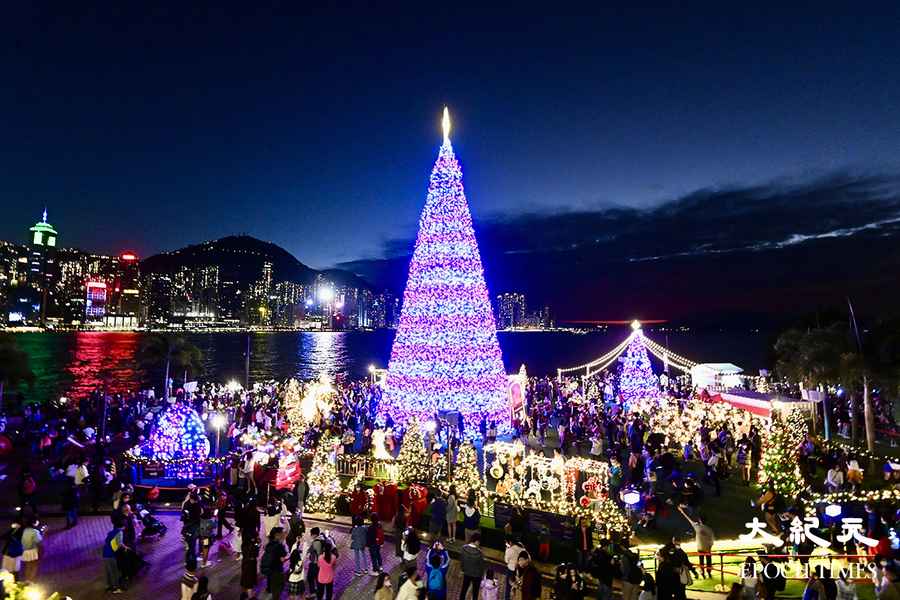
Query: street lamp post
{"type": "Point", "coordinates": [218, 421]}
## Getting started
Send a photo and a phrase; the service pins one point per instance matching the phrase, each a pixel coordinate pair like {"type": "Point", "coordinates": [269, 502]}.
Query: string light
{"type": "Point", "coordinates": [531, 480]}
{"type": "Point", "coordinates": [445, 354]}
{"type": "Point", "coordinates": [637, 381]}
{"type": "Point", "coordinates": [179, 441]}
{"type": "Point", "coordinates": [602, 362]}
{"type": "Point", "coordinates": [779, 467]}
{"type": "Point", "coordinates": [598, 364]}
{"type": "Point", "coordinates": [415, 463]}
{"type": "Point", "coordinates": [665, 355]}
{"type": "Point", "coordinates": [465, 473]}
{"type": "Point", "coordinates": [323, 481]}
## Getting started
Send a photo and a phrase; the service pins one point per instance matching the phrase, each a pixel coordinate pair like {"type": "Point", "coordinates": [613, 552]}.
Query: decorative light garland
{"type": "Point", "coordinates": [130, 457]}
{"type": "Point", "coordinates": [445, 355]}
{"type": "Point", "coordinates": [667, 356]}
{"type": "Point", "coordinates": [859, 451]}
{"type": "Point", "coordinates": [883, 495]}
{"type": "Point", "coordinates": [600, 363]}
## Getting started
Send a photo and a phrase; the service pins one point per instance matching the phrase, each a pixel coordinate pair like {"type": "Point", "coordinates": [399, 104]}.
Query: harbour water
{"type": "Point", "coordinates": [75, 363]}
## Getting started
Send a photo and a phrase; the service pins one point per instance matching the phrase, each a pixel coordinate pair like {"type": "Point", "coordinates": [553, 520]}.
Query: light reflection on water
{"type": "Point", "coordinates": [326, 354]}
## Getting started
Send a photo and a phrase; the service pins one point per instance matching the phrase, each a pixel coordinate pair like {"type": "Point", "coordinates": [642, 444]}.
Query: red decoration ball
{"type": "Point", "coordinates": [6, 445]}
{"type": "Point", "coordinates": [153, 494]}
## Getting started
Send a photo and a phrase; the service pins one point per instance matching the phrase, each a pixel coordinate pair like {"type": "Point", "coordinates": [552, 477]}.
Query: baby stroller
{"type": "Point", "coordinates": [151, 525]}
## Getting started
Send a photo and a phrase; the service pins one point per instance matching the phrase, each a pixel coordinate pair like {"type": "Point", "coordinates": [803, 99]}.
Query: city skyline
{"type": "Point", "coordinates": [207, 286]}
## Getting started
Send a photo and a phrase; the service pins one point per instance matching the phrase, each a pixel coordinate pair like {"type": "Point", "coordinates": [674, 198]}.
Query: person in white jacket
{"type": "Point", "coordinates": [410, 588]}
{"type": "Point", "coordinates": [511, 556]}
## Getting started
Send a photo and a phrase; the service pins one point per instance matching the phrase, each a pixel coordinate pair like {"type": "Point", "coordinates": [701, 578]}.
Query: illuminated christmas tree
{"type": "Point", "coordinates": [637, 382]}
{"type": "Point", "coordinates": [445, 354]}
{"type": "Point", "coordinates": [293, 397]}
{"type": "Point", "coordinates": [324, 484]}
{"type": "Point", "coordinates": [415, 462]}
{"type": "Point", "coordinates": [466, 475]}
{"type": "Point", "coordinates": [179, 441]}
{"type": "Point", "coordinates": [779, 466]}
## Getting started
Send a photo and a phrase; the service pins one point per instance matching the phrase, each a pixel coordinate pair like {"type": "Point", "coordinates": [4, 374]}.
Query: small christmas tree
{"type": "Point", "coordinates": [465, 473]}
{"type": "Point", "coordinates": [779, 466]}
{"type": "Point", "coordinates": [637, 382]}
{"type": "Point", "coordinates": [415, 462]}
{"type": "Point", "coordinates": [179, 435]}
{"type": "Point", "coordinates": [293, 397]}
{"type": "Point", "coordinates": [324, 484]}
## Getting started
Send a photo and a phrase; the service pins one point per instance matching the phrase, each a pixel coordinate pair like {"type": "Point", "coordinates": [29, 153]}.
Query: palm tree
{"type": "Point", "coordinates": [883, 351]}
{"type": "Point", "coordinates": [14, 367]}
{"type": "Point", "coordinates": [830, 356]}
{"type": "Point", "coordinates": [820, 356]}
{"type": "Point", "coordinates": [171, 351]}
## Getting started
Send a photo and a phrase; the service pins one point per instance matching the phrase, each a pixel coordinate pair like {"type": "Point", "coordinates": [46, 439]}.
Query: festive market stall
{"type": "Point", "coordinates": [572, 487]}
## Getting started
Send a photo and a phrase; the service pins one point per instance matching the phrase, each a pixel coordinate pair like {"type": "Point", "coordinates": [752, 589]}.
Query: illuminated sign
{"type": "Point", "coordinates": [128, 257]}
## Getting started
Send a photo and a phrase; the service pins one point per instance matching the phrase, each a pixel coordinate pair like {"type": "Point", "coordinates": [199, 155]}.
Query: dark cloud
{"type": "Point", "coordinates": [776, 249]}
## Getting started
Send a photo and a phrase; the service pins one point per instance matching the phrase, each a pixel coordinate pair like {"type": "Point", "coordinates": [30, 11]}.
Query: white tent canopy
{"type": "Point", "coordinates": [716, 375]}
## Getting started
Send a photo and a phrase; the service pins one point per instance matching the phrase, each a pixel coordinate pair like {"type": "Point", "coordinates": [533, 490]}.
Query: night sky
{"type": "Point", "coordinates": [317, 131]}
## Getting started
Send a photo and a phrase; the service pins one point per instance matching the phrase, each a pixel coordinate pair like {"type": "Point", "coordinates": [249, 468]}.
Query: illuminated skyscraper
{"type": "Point", "coordinates": [510, 310]}
{"type": "Point", "coordinates": [41, 264]}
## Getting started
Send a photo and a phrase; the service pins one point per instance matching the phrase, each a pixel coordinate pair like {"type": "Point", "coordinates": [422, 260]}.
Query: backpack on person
{"type": "Point", "coordinates": [379, 534]}
{"type": "Point", "coordinates": [267, 562]}
{"type": "Point", "coordinates": [435, 580]}
{"type": "Point", "coordinates": [14, 548]}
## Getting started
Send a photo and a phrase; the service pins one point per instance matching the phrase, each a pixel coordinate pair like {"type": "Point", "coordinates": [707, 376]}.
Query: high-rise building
{"type": "Point", "coordinates": [364, 305]}
{"type": "Point", "coordinates": [124, 296]}
{"type": "Point", "coordinates": [95, 303]}
{"type": "Point", "coordinates": [159, 290]}
{"type": "Point", "coordinates": [42, 271]}
{"type": "Point", "coordinates": [510, 310]}
{"type": "Point", "coordinates": [196, 295]}
{"type": "Point", "coordinates": [378, 313]}
{"type": "Point", "coordinates": [288, 305]}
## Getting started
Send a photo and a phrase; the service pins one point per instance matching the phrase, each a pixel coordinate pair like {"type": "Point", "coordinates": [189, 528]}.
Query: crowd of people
{"type": "Point", "coordinates": [673, 455]}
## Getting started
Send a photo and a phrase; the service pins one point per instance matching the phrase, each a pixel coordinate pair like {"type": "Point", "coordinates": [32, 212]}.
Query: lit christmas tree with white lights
{"type": "Point", "coordinates": [414, 460]}
{"type": "Point", "coordinates": [637, 383]}
{"type": "Point", "coordinates": [324, 484]}
{"type": "Point", "coordinates": [445, 354]}
{"type": "Point", "coordinates": [465, 472]}
{"type": "Point", "coordinates": [779, 466]}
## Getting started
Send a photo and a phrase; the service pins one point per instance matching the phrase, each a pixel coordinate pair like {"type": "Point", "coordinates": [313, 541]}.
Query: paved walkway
{"type": "Point", "coordinates": [71, 565]}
